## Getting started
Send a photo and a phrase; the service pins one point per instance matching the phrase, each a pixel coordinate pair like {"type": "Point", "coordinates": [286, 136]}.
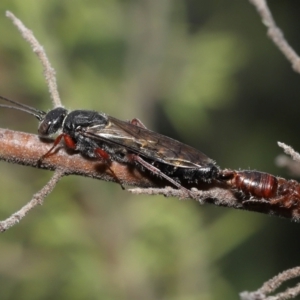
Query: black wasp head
{"type": "Point", "coordinates": [52, 121]}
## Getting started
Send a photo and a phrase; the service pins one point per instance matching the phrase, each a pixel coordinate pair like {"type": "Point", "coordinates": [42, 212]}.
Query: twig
{"type": "Point", "coordinates": [271, 285]}
{"type": "Point", "coordinates": [290, 151]}
{"type": "Point", "coordinates": [19, 143]}
{"type": "Point", "coordinates": [275, 282]}
{"type": "Point", "coordinates": [37, 198]}
{"type": "Point", "coordinates": [290, 162]}
{"type": "Point", "coordinates": [26, 149]}
{"type": "Point", "coordinates": [276, 34]}
{"type": "Point", "coordinates": [49, 72]}
{"type": "Point", "coordinates": [213, 193]}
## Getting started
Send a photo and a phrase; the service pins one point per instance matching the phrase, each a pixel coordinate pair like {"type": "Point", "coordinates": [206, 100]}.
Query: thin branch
{"type": "Point", "coordinates": [27, 149]}
{"type": "Point", "coordinates": [271, 285]}
{"type": "Point", "coordinates": [276, 34]}
{"type": "Point", "coordinates": [214, 193]}
{"type": "Point", "coordinates": [290, 151]}
{"type": "Point", "coordinates": [290, 162]}
{"type": "Point", "coordinates": [289, 293]}
{"type": "Point", "coordinates": [49, 72]}
{"type": "Point", "coordinates": [37, 198]}
{"type": "Point", "coordinates": [275, 282]}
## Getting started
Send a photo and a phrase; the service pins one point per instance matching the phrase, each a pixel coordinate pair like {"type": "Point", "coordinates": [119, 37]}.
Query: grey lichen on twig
{"type": "Point", "coordinates": [38, 49]}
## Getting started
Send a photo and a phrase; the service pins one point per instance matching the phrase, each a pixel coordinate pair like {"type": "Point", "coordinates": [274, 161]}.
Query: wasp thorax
{"type": "Point", "coordinates": [52, 122]}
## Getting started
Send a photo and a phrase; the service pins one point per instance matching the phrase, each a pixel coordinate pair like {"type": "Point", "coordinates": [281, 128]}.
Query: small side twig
{"type": "Point", "coordinates": [276, 34]}
{"type": "Point", "coordinates": [49, 72]}
{"type": "Point", "coordinates": [37, 198]}
{"type": "Point", "coordinates": [274, 283]}
{"type": "Point", "coordinates": [290, 151]}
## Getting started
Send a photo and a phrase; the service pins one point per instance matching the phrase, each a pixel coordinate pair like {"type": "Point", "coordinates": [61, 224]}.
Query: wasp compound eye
{"type": "Point", "coordinates": [52, 122]}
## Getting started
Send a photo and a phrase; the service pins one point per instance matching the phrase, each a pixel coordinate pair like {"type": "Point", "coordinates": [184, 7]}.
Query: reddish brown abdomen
{"type": "Point", "coordinates": [257, 184]}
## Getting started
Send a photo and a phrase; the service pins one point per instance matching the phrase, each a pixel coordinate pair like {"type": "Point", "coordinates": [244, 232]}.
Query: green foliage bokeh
{"type": "Point", "coordinates": [198, 71]}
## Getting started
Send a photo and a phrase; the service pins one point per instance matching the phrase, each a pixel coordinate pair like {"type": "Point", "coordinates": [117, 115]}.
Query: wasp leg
{"type": "Point", "coordinates": [104, 156]}
{"type": "Point", "coordinates": [158, 172]}
{"type": "Point", "coordinates": [68, 141]}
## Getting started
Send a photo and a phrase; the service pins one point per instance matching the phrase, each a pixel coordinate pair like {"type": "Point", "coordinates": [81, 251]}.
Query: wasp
{"type": "Point", "coordinates": [100, 136]}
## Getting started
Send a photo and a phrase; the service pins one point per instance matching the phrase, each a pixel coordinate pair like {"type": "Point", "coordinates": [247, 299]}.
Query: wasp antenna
{"type": "Point", "coordinates": [39, 114]}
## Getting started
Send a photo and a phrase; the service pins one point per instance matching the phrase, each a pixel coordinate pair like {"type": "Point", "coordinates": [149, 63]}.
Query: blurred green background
{"type": "Point", "coordinates": [202, 72]}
